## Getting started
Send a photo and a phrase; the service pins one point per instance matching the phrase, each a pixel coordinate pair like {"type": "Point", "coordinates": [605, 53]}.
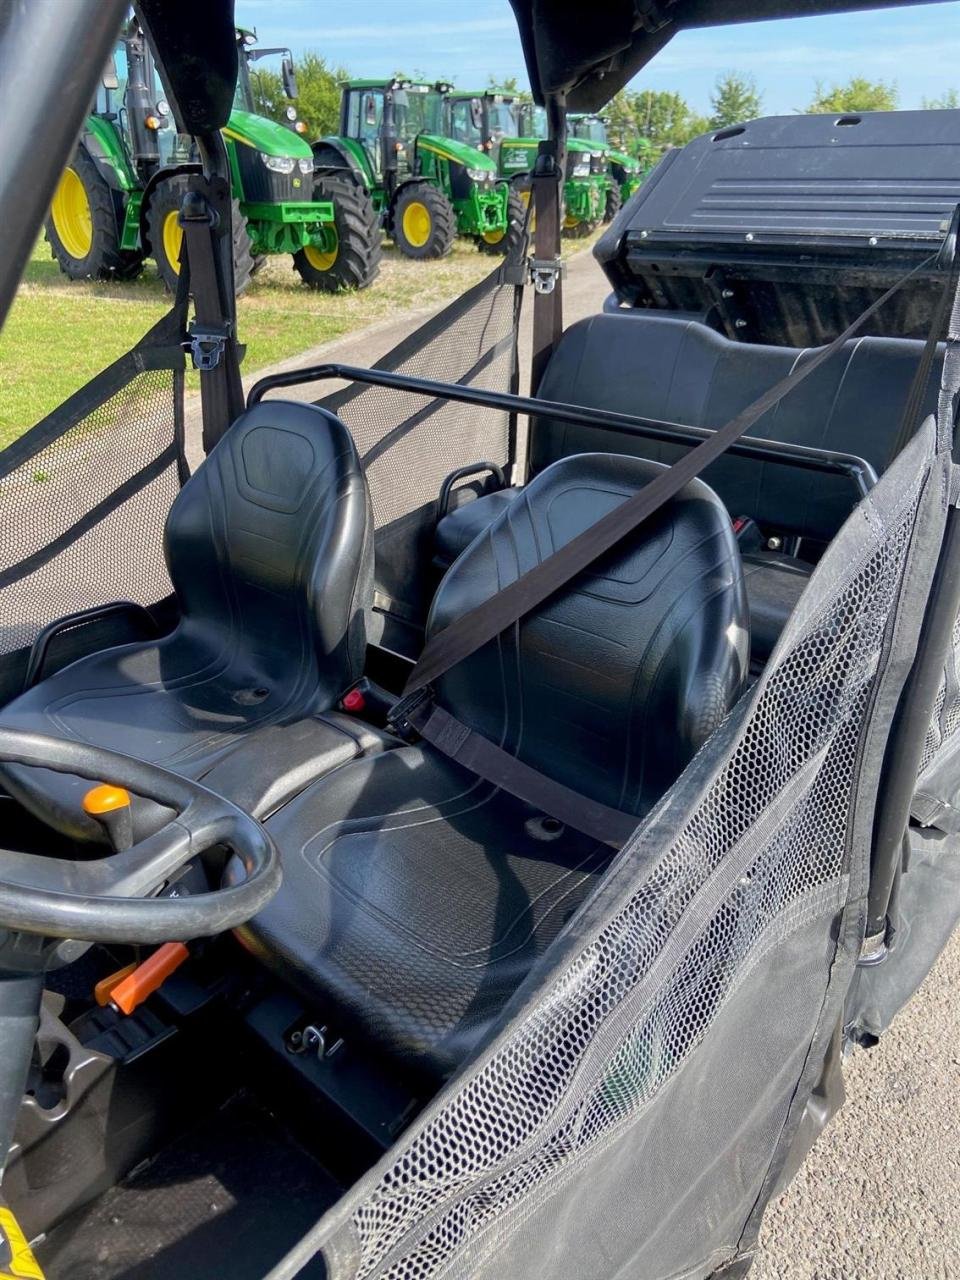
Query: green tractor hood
{"type": "Point", "coordinates": [458, 152]}
{"type": "Point", "coordinates": [630, 163]}
{"type": "Point", "coordinates": [265, 135]}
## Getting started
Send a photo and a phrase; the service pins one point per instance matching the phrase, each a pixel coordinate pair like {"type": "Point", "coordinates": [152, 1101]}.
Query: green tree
{"type": "Point", "coordinates": [735, 98]}
{"type": "Point", "coordinates": [318, 84]}
{"type": "Point", "coordinates": [665, 118]}
{"type": "Point", "coordinates": [949, 101]}
{"type": "Point", "coordinates": [622, 129]}
{"type": "Point", "coordinates": [507, 84]}
{"type": "Point", "coordinates": [858, 94]}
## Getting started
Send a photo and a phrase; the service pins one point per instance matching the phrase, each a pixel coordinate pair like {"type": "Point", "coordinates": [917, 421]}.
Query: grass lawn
{"type": "Point", "coordinates": [61, 332]}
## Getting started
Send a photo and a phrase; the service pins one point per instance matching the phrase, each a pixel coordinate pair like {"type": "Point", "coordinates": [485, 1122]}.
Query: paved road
{"type": "Point", "coordinates": [879, 1196]}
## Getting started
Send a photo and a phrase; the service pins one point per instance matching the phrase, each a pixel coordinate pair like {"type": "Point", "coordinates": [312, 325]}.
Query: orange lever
{"type": "Point", "coordinates": [105, 987]}
{"type": "Point", "coordinates": [148, 976]}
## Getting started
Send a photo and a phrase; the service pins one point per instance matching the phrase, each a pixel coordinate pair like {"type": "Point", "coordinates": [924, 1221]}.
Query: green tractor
{"type": "Point", "coordinates": [626, 171]}
{"type": "Point", "coordinates": [586, 182]}
{"type": "Point", "coordinates": [426, 187]}
{"type": "Point", "coordinates": [118, 200]}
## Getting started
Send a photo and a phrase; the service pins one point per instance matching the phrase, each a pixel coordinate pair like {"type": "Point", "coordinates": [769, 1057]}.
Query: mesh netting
{"type": "Point", "coordinates": [945, 720]}
{"type": "Point", "coordinates": [83, 511]}
{"type": "Point", "coordinates": [423, 440]}
{"type": "Point", "coordinates": [410, 443]}
{"type": "Point", "coordinates": [760, 855]}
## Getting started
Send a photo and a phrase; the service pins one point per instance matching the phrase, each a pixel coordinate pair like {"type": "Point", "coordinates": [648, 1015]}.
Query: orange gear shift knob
{"type": "Point", "coordinates": [111, 808]}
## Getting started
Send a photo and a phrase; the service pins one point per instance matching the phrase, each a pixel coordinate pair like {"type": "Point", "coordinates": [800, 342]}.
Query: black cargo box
{"type": "Point", "coordinates": [782, 230]}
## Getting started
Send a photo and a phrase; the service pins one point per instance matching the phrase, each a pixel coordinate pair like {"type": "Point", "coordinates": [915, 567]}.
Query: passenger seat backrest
{"type": "Point", "coordinates": [613, 684]}
{"type": "Point", "coordinates": [270, 544]}
{"type": "Point", "coordinates": [682, 371]}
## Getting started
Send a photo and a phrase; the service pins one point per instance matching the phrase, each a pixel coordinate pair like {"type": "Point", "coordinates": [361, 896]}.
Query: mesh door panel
{"type": "Point", "coordinates": [83, 512]}
{"type": "Point", "coordinates": [760, 855]}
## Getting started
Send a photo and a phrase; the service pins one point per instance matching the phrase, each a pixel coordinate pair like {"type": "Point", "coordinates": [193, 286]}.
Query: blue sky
{"type": "Point", "coordinates": [464, 40]}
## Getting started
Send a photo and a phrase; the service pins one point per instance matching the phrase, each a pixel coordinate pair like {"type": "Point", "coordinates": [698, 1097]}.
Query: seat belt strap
{"type": "Point", "coordinates": [212, 341]}
{"type": "Point", "coordinates": [474, 629]}
{"type": "Point", "coordinates": [460, 743]}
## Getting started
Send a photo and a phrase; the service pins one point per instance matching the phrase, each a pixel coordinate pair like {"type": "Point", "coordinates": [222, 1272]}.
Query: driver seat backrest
{"type": "Point", "coordinates": [613, 684]}
{"type": "Point", "coordinates": [269, 548]}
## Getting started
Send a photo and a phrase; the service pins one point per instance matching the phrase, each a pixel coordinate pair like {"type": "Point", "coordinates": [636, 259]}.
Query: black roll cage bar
{"type": "Point", "coordinates": [858, 470]}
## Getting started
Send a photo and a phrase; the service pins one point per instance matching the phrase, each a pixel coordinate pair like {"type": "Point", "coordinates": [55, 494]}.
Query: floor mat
{"type": "Point", "coordinates": [227, 1200]}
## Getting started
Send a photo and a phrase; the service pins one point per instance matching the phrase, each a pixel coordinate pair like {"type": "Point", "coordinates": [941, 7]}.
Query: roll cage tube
{"type": "Point", "coordinates": [857, 470]}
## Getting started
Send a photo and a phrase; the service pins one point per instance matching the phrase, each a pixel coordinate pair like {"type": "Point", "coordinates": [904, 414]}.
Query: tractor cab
{"type": "Point", "coordinates": [457, 827]}
{"type": "Point", "coordinates": [253, 93]}
{"type": "Point", "coordinates": [427, 186]}
{"type": "Point", "coordinates": [586, 185]}
{"type": "Point", "coordinates": [481, 119]}
{"type": "Point", "coordinates": [623, 169]}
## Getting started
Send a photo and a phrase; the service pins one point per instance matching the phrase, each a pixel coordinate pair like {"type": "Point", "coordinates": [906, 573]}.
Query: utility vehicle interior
{"type": "Point", "coordinates": [452, 831]}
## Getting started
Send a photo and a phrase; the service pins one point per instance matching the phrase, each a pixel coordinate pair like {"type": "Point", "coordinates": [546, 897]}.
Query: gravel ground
{"type": "Point", "coordinates": [879, 1196]}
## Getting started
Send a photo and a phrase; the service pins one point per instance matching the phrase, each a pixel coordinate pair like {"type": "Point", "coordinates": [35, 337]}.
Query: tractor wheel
{"type": "Point", "coordinates": [614, 201]}
{"type": "Point", "coordinates": [579, 230]}
{"type": "Point", "coordinates": [423, 221]}
{"type": "Point", "coordinates": [165, 235]}
{"type": "Point", "coordinates": [502, 242]}
{"type": "Point", "coordinates": [81, 226]}
{"type": "Point", "coordinates": [351, 259]}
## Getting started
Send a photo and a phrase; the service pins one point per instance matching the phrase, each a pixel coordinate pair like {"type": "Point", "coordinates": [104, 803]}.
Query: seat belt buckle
{"type": "Point", "coordinates": [206, 344]}
{"type": "Point", "coordinates": [545, 273]}
{"type": "Point", "coordinates": [403, 715]}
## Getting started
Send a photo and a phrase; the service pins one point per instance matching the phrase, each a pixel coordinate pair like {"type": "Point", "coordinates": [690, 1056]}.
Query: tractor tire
{"type": "Point", "coordinates": [165, 235]}
{"type": "Point", "coordinates": [614, 201]}
{"type": "Point", "coordinates": [507, 240]}
{"type": "Point", "coordinates": [423, 221]}
{"type": "Point", "coordinates": [580, 230]}
{"type": "Point", "coordinates": [354, 261]}
{"type": "Point", "coordinates": [81, 226]}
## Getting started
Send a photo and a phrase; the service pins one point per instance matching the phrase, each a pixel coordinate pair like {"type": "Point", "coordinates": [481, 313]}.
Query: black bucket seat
{"type": "Point", "coordinates": [416, 896]}
{"type": "Point", "coordinates": [269, 547]}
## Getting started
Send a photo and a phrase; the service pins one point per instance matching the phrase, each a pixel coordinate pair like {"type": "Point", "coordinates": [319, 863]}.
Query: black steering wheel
{"type": "Point", "coordinates": [108, 899]}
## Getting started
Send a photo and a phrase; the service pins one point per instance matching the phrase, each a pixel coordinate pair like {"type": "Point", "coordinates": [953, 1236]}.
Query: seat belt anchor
{"type": "Point", "coordinates": [545, 272]}
{"type": "Point", "coordinates": [206, 344]}
{"type": "Point", "coordinates": [403, 714]}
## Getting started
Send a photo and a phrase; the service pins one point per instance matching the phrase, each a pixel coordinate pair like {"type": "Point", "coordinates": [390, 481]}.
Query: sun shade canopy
{"type": "Point", "coordinates": [590, 61]}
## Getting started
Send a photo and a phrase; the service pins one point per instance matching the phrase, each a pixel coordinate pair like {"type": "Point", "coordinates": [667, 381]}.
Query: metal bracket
{"type": "Point", "coordinates": [545, 272]}
{"type": "Point", "coordinates": [207, 344]}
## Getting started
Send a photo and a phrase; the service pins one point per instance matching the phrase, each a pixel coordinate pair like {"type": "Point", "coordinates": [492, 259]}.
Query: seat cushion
{"type": "Point", "coordinates": [415, 899]}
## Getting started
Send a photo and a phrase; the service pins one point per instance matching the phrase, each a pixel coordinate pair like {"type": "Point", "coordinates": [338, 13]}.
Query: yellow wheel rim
{"type": "Point", "coordinates": [323, 259]}
{"type": "Point", "coordinates": [172, 239]}
{"type": "Point", "coordinates": [70, 211]}
{"type": "Point", "coordinates": [569, 223]}
{"type": "Point", "coordinates": [494, 237]}
{"type": "Point", "coordinates": [417, 224]}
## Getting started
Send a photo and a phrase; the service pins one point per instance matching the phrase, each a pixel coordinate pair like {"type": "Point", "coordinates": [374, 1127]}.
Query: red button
{"type": "Point", "coordinates": [353, 701]}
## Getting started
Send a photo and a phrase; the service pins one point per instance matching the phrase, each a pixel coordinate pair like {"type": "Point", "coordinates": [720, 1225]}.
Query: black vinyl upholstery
{"type": "Point", "coordinates": [415, 896]}
{"type": "Point", "coordinates": [681, 371]}
{"type": "Point", "coordinates": [269, 547]}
